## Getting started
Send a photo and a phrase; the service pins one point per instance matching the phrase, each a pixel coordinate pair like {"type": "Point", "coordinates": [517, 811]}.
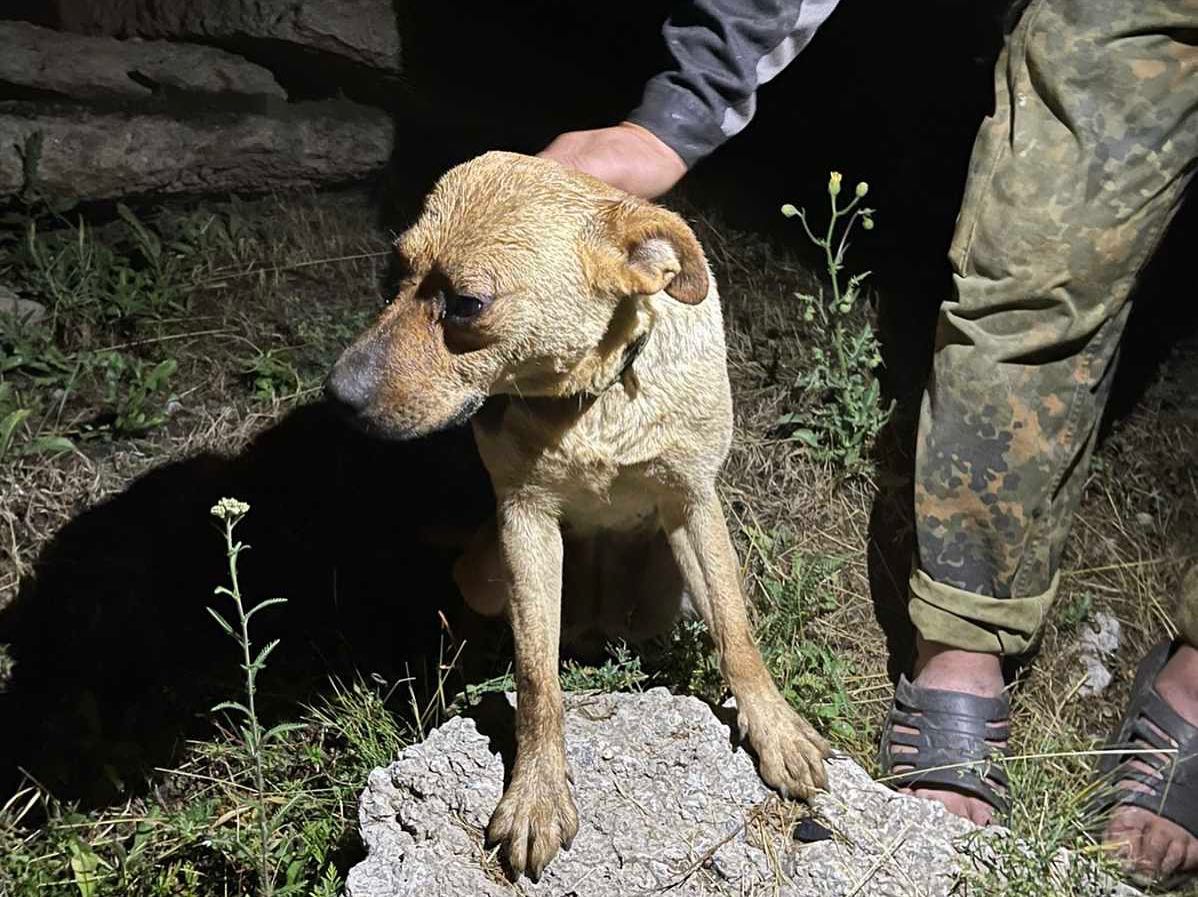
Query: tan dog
{"type": "Point", "coordinates": [586, 327]}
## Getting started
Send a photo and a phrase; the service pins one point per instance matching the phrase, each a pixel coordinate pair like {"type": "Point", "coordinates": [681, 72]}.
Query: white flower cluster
{"type": "Point", "coordinates": [229, 509]}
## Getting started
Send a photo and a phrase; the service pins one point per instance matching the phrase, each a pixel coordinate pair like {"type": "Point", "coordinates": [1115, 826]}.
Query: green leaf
{"type": "Point", "coordinates": [161, 373]}
{"type": "Point", "coordinates": [48, 445]}
{"type": "Point", "coordinates": [807, 437]}
{"type": "Point", "coordinates": [231, 705]}
{"type": "Point", "coordinates": [9, 425]}
{"type": "Point", "coordinates": [224, 624]}
{"type": "Point", "coordinates": [84, 863]}
{"type": "Point", "coordinates": [281, 812]}
{"type": "Point", "coordinates": [261, 604]}
{"type": "Point", "coordinates": [260, 660]}
{"type": "Point", "coordinates": [281, 729]}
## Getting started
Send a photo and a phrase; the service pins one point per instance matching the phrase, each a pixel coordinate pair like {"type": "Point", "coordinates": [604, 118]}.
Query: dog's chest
{"type": "Point", "coordinates": [600, 485]}
{"type": "Point", "coordinates": [602, 471]}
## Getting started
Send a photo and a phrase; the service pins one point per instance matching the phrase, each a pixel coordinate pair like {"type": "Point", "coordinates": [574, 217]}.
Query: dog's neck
{"type": "Point", "coordinates": [625, 374]}
{"type": "Point", "coordinates": [612, 361]}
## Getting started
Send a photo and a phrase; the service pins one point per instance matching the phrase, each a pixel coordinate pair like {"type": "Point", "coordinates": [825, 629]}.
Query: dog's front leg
{"type": "Point", "coordinates": [790, 752]}
{"type": "Point", "coordinates": [536, 815]}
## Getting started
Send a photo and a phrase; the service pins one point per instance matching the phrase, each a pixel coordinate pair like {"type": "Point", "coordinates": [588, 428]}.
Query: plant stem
{"type": "Point", "coordinates": [254, 742]}
{"type": "Point", "coordinates": [833, 274]}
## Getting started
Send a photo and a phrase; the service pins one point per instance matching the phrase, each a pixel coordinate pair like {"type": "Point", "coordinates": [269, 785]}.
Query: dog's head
{"type": "Point", "coordinates": [520, 277]}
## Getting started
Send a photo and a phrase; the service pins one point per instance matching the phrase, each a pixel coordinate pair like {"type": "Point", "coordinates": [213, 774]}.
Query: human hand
{"type": "Point", "coordinates": [626, 156]}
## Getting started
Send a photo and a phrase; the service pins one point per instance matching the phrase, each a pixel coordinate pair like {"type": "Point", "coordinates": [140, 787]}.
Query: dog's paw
{"type": "Point", "coordinates": [790, 753]}
{"type": "Point", "coordinates": [535, 818]}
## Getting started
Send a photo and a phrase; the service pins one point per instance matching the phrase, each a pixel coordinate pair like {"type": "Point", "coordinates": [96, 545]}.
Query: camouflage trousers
{"type": "Point", "coordinates": [1073, 181]}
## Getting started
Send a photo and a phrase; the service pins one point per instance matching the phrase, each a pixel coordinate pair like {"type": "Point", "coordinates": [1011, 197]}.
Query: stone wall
{"type": "Point", "coordinates": [137, 98]}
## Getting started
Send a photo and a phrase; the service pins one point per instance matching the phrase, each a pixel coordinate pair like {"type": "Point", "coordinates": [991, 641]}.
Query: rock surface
{"type": "Point", "coordinates": [26, 312]}
{"type": "Point", "coordinates": [360, 31]}
{"type": "Point", "coordinates": [667, 805]}
{"type": "Point", "coordinates": [1097, 644]}
{"type": "Point", "coordinates": [88, 68]}
{"type": "Point", "coordinates": [105, 155]}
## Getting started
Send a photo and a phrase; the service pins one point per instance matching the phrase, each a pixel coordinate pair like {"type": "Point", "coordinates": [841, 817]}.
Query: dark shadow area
{"type": "Point", "coordinates": [117, 661]}
{"type": "Point", "coordinates": [1163, 325]}
{"type": "Point", "coordinates": [510, 76]}
{"type": "Point", "coordinates": [495, 719]}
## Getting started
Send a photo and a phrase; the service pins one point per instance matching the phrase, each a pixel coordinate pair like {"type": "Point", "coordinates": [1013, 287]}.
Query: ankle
{"type": "Point", "coordinates": [1177, 683]}
{"type": "Point", "coordinates": [942, 666]}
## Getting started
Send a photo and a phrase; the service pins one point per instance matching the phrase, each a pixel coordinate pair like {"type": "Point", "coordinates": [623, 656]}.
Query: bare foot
{"type": "Point", "coordinates": [949, 669]}
{"type": "Point", "coordinates": [1153, 847]}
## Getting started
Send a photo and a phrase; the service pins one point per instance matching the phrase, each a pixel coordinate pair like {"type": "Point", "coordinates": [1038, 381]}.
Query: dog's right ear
{"type": "Point", "coordinates": [645, 249]}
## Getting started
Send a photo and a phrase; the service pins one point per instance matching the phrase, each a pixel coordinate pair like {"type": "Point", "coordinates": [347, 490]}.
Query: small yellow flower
{"type": "Point", "coordinates": [834, 183]}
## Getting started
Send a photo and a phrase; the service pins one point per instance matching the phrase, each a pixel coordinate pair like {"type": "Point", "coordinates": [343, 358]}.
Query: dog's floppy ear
{"type": "Point", "coordinates": [655, 250]}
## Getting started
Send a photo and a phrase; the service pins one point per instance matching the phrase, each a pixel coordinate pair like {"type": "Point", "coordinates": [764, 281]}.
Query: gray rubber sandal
{"type": "Point", "coordinates": [1150, 722]}
{"type": "Point", "coordinates": [950, 747]}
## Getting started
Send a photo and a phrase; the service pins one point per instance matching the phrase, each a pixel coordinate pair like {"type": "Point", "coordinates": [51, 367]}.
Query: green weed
{"type": "Point", "coordinates": [134, 391]}
{"type": "Point", "coordinates": [797, 590]}
{"type": "Point", "coordinates": [621, 671]}
{"type": "Point", "coordinates": [255, 739]}
{"type": "Point", "coordinates": [95, 293]}
{"type": "Point", "coordinates": [1051, 793]}
{"type": "Point", "coordinates": [1076, 611]}
{"type": "Point", "coordinates": [689, 664]}
{"type": "Point", "coordinates": [844, 410]}
{"type": "Point", "coordinates": [272, 375]}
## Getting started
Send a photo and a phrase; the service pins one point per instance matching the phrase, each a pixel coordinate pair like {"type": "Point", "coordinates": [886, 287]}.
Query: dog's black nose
{"type": "Point", "coordinates": [347, 387]}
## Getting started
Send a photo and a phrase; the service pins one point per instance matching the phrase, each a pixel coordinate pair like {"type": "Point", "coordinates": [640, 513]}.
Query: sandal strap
{"type": "Point", "coordinates": [1150, 722]}
{"type": "Point", "coordinates": [950, 742]}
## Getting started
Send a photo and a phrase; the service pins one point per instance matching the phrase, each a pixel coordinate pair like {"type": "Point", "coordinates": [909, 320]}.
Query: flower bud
{"type": "Point", "coordinates": [789, 211]}
{"type": "Point", "coordinates": [862, 189]}
{"type": "Point", "coordinates": [834, 183]}
{"type": "Point", "coordinates": [867, 223]}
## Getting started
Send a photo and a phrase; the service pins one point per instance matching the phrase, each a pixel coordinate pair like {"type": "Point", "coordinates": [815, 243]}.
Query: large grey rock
{"type": "Point", "coordinates": [667, 805]}
{"type": "Point", "coordinates": [359, 31]}
{"type": "Point", "coordinates": [85, 68]}
{"type": "Point", "coordinates": [105, 155]}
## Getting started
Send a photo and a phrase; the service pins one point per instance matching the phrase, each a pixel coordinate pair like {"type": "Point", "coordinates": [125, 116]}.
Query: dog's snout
{"type": "Point", "coordinates": [354, 380]}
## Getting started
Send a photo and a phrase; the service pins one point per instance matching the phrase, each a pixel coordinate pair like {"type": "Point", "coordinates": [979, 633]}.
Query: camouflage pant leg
{"type": "Point", "coordinates": [1072, 182]}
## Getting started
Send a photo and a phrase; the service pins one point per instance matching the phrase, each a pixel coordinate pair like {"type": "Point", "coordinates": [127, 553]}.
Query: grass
{"type": "Point", "coordinates": [210, 323]}
{"type": "Point", "coordinates": [1050, 850]}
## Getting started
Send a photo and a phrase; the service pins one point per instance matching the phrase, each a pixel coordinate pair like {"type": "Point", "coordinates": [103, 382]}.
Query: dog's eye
{"type": "Point", "coordinates": [459, 308]}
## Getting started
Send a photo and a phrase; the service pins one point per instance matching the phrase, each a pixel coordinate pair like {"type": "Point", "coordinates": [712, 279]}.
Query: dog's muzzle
{"type": "Point", "coordinates": [354, 380]}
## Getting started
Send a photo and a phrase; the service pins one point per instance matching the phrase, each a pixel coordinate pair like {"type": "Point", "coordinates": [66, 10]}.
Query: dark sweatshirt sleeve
{"type": "Point", "coordinates": [723, 51]}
